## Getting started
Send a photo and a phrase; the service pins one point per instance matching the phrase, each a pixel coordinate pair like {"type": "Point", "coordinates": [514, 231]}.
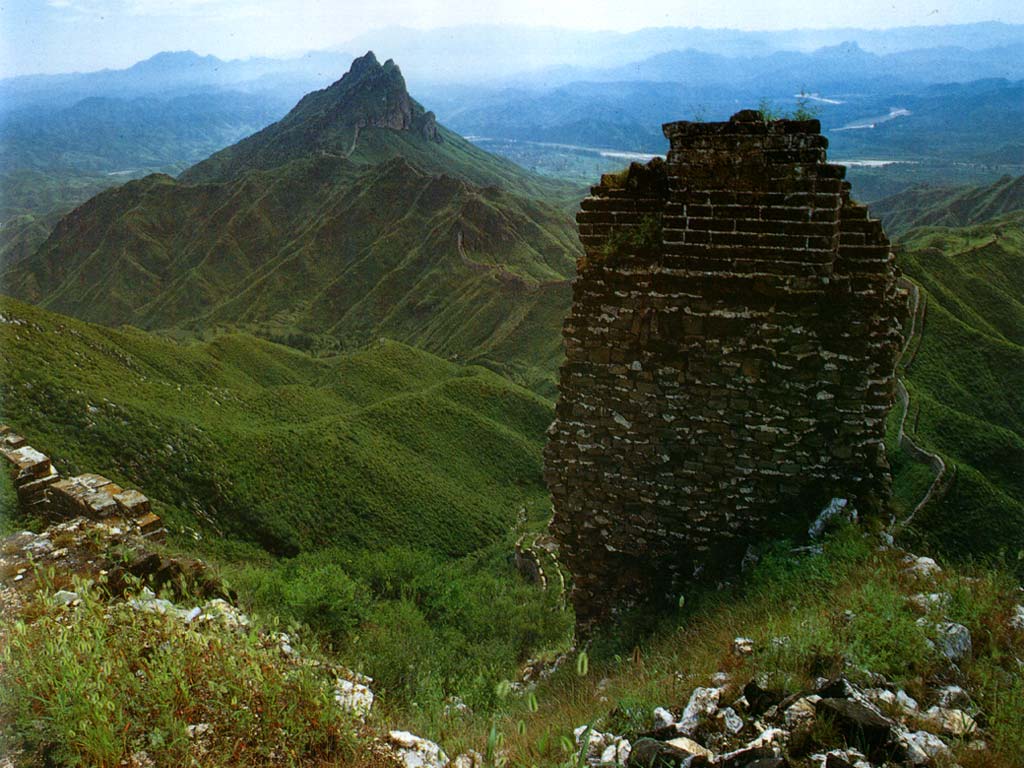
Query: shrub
{"type": "Point", "coordinates": [642, 240]}
{"type": "Point", "coordinates": [92, 684]}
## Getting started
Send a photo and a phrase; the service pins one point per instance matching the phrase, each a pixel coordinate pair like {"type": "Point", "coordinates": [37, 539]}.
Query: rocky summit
{"type": "Point", "coordinates": [370, 95]}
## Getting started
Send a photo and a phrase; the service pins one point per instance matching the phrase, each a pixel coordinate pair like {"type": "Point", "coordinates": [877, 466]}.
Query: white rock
{"type": "Point", "coordinates": [455, 704]}
{"type": "Point", "coordinates": [597, 741]}
{"type": "Point", "coordinates": [471, 759]}
{"type": "Point", "coordinates": [1017, 620]}
{"type": "Point", "coordinates": [923, 566]}
{"type": "Point", "coordinates": [800, 712]}
{"type": "Point", "coordinates": [835, 508]}
{"type": "Point", "coordinates": [767, 738]}
{"type": "Point", "coordinates": [192, 615]}
{"type": "Point", "coordinates": [703, 701]}
{"type": "Point", "coordinates": [608, 756]}
{"type": "Point", "coordinates": [953, 696]}
{"type": "Point", "coordinates": [923, 747]}
{"type": "Point", "coordinates": [39, 546]}
{"type": "Point", "coordinates": [743, 646]}
{"type": "Point", "coordinates": [952, 722]}
{"type": "Point", "coordinates": [353, 697]}
{"type": "Point", "coordinates": [224, 613]}
{"type": "Point", "coordinates": [881, 696]}
{"type": "Point", "coordinates": [416, 752]}
{"type": "Point", "coordinates": [616, 753]}
{"type": "Point", "coordinates": [915, 755]}
{"type": "Point", "coordinates": [197, 730]}
{"type": "Point", "coordinates": [65, 597]}
{"type": "Point", "coordinates": [147, 602]}
{"type": "Point", "coordinates": [954, 640]}
{"type": "Point", "coordinates": [733, 722]}
{"type": "Point", "coordinates": [925, 602]}
{"type": "Point", "coordinates": [852, 756]}
{"type": "Point", "coordinates": [720, 679]}
{"type": "Point", "coordinates": [622, 750]}
{"type": "Point", "coordinates": [691, 746]}
{"type": "Point", "coordinates": [663, 718]}
{"type": "Point", "coordinates": [284, 642]}
{"type": "Point", "coordinates": [907, 703]}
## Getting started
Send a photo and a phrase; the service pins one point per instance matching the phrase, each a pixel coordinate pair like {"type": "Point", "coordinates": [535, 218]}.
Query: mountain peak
{"type": "Point", "coordinates": [373, 95]}
{"type": "Point", "coordinates": [364, 63]}
{"type": "Point", "coordinates": [166, 61]}
{"type": "Point", "coordinates": [353, 119]}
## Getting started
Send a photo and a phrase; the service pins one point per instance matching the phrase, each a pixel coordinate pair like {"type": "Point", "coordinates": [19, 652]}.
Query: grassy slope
{"type": "Point", "coordinates": [792, 607]}
{"type": "Point", "coordinates": [325, 250]}
{"type": "Point", "coordinates": [943, 206]}
{"type": "Point", "coordinates": [967, 384]}
{"type": "Point", "coordinates": [384, 446]}
{"type": "Point", "coordinates": [321, 232]}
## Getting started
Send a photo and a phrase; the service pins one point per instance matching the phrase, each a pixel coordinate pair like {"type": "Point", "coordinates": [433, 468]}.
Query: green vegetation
{"type": "Point", "coordinates": [384, 446]}
{"type": "Point", "coordinates": [794, 609]}
{"type": "Point", "coordinates": [366, 492]}
{"type": "Point", "coordinates": [325, 235]}
{"type": "Point", "coordinates": [8, 504]}
{"type": "Point", "coordinates": [386, 482]}
{"type": "Point", "coordinates": [642, 240]}
{"type": "Point", "coordinates": [966, 383]}
{"type": "Point", "coordinates": [347, 119]}
{"type": "Point", "coordinates": [425, 627]}
{"type": "Point", "coordinates": [945, 206]}
{"type": "Point", "coordinates": [96, 683]}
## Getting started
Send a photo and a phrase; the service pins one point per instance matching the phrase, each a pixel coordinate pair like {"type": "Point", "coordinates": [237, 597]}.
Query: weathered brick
{"type": "Point", "coordinates": [717, 387]}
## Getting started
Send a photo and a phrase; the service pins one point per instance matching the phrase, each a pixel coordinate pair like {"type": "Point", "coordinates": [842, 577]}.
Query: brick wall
{"type": "Point", "coordinates": [729, 360]}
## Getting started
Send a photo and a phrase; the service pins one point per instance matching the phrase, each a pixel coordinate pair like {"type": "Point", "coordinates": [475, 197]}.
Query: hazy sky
{"type": "Point", "coordinates": [69, 35]}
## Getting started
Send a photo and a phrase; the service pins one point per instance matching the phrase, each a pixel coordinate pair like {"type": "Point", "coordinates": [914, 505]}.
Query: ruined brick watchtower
{"type": "Point", "coordinates": [730, 356]}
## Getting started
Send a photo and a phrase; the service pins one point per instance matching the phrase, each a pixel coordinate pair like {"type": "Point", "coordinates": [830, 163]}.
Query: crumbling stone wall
{"type": "Point", "coordinates": [43, 494]}
{"type": "Point", "coordinates": [729, 359]}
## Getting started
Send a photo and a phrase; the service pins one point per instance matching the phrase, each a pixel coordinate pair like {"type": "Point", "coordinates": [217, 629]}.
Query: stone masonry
{"type": "Point", "coordinates": [730, 359]}
{"type": "Point", "coordinates": [42, 493]}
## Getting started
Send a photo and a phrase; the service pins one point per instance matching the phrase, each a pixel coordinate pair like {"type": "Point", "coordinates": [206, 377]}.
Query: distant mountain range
{"type": "Point", "coordinates": [102, 134]}
{"type": "Point", "coordinates": [547, 56]}
{"type": "Point", "coordinates": [843, 66]}
{"type": "Point", "coordinates": [175, 73]}
{"type": "Point", "coordinates": [354, 216]}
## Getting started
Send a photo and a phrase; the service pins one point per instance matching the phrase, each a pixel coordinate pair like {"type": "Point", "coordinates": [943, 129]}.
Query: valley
{"type": "Point", "coordinates": [320, 327]}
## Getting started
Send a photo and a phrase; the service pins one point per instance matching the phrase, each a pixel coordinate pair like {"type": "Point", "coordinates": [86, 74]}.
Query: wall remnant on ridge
{"type": "Point", "coordinates": [730, 359]}
{"type": "Point", "coordinates": [42, 493]}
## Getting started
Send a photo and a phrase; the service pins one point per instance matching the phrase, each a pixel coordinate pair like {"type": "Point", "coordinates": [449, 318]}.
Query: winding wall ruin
{"type": "Point", "coordinates": [729, 359]}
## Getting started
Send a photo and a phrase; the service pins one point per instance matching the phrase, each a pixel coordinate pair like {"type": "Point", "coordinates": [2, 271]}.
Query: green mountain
{"type": "Point", "coordinates": [354, 217]}
{"type": "Point", "coordinates": [943, 206]}
{"type": "Point", "coordinates": [367, 117]}
{"type": "Point", "coordinates": [53, 159]}
{"type": "Point", "coordinates": [966, 382]}
{"type": "Point", "coordinates": [381, 447]}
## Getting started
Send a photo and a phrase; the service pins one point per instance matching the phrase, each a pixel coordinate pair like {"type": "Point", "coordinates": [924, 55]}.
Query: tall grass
{"type": "Point", "coordinates": [94, 683]}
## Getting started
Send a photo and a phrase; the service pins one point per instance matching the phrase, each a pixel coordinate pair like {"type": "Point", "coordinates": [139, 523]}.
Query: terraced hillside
{"type": "Point", "coordinates": [354, 217]}
{"type": "Point", "coordinates": [382, 447]}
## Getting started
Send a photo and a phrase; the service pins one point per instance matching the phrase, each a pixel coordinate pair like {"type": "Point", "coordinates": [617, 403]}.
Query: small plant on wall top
{"type": "Point", "coordinates": [644, 239]}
